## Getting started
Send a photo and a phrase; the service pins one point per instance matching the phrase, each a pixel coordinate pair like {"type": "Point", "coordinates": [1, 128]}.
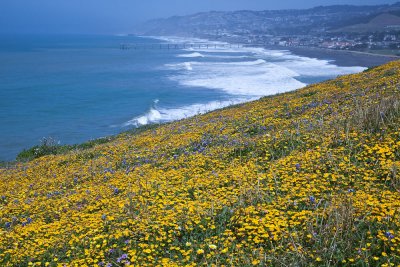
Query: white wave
{"type": "Point", "coordinates": [262, 72]}
{"type": "Point", "coordinates": [226, 57]}
{"type": "Point", "coordinates": [187, 40]}
{"type": "Point", "coordinates": [188, 66]}
{"type": "Point", "coordinates": [181, 66]}
{"type": "Point", "coordinates": [271, 72]}
{"type": "Point", "coordinates": [211, 54]}
{"type": "Point", "coordinates": [158, 115]}
{"type": "Point", "coordinates": [317, 67]}
{"type": "Point", "coordinates": [218, 49]}
{"type": "Point", "coordinates": [245, 78]}
{"type": "Point", "coordinates": [151, 116]}
{"type": "Point", "coordinates": [196, 54]}
{"type": "Point", "coordinates": [304, 66]}
{"type": "Point", "coordinates": [248, 63]}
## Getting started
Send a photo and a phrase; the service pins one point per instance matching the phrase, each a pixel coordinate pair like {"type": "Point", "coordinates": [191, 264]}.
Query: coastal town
{"type": "Point", "coordinates": [373, 29]}
{"type": "Point", "coordinates": [387, 41]}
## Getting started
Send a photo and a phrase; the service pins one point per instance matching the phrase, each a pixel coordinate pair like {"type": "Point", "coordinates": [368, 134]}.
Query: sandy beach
{"type": "Point", "coordinates": [340, 57]}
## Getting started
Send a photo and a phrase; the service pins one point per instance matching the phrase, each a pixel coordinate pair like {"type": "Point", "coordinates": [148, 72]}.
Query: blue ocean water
{"type": "Point", "coordinates": [76, 88]}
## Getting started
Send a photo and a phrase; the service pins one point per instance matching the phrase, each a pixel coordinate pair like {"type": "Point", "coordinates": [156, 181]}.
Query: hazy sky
{"type": "Point", "coordinates": [119, 16]}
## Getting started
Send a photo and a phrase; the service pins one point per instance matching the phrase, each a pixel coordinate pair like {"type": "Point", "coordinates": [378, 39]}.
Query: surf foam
{"type": "Point", "coordinates": [196, 54]}
{"type": "Point", "coordinates": [260, 72]}
{"type": "Point", "coordinates": [245, 78]}
{"type": "Point", "coordinates": [159, 115]}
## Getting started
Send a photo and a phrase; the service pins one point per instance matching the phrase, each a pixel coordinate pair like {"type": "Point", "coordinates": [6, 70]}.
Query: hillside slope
{"type": "Point", "coordinates": [378, 23]}
{"type": "Point", "coordinates": [275, 22]}
{"type": "Point", "coordinates": [307, 178]}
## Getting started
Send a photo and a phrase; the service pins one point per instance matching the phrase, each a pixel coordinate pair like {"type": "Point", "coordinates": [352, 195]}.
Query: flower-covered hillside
{"type": "Point", "coordinates": [307, 178]}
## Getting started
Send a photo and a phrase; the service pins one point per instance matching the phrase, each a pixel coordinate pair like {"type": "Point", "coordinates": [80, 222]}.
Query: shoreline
{"type": "Point", "coordinates": [339, 58]}
{"type": "Point", "coordinates": [342, 58]}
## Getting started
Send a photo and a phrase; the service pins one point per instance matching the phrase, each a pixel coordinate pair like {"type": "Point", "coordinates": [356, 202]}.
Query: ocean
{"type": "Point", "coordinates": [76, 88]}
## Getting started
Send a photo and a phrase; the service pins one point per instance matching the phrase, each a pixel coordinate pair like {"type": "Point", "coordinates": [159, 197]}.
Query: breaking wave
{"type": "Point", "coordinates": [196, 54]}
{"type": "Point", "coordinates": [159, 115]}
{"type": "Point", "coordinates": [243, 73]}
{"type": "Point", "coordinates": [246, 78]}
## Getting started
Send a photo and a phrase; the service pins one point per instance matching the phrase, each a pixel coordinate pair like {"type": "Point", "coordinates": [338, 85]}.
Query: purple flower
{"type": "Point", "coordinates": [351, 190]}
{"type": "Point", "coordinates": [297, 166]}
{"type": "Point", "coordinates": [103, 217]}
{"type": "Point", "coordinates": [116, 191]}
{"type": "Point", "coordinates": [100, 263]}
{"type": "Point", "coordinates": [312, 199]}
{"type": "Point", "coordinates": [123, 257]}
{"type": "Point", "coordinates": [29, 220]}
{"type": "Point", "coordinates": [127, 242]}
{"type": "Point", "coordinates": [108, 265]}
{"type": "Point", "coordinates": [389, 235]}
{"type": "Point", "coordinates": [8, 225]}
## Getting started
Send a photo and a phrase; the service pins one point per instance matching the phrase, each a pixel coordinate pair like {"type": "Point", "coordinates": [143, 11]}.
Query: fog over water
{"type": "Point", "coordinates": [120, 16]}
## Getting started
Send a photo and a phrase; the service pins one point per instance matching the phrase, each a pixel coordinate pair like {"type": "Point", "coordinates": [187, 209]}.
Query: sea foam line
{"type": "Point", "coordinates": [263, 72]}
{"type": "Point", "coordinates": [159, 115]}
{"type": "Point", "coordinates": [195, 54]}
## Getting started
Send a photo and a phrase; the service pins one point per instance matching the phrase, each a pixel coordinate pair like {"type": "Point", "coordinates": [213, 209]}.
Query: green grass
{"type": "Point", "coordinates": [49, 146]}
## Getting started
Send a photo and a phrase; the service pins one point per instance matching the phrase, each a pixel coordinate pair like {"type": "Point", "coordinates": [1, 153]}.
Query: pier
{"type": "Point", "coordinates": [169, 46]}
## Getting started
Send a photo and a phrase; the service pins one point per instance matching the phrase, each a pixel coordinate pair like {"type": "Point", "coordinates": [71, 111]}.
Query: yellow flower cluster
{"type": "Point", "coordinates": [304, 178]}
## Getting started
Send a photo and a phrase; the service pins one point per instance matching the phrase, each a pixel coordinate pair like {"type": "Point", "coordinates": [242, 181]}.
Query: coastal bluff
{"type": "Point", "coordinates": [305, 178]}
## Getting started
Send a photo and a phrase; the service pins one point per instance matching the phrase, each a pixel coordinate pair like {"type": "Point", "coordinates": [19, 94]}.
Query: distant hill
{"type": "Point", "coordinates": [274, 22]}
{"type": "Point", "coordinates": [381, 22]}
